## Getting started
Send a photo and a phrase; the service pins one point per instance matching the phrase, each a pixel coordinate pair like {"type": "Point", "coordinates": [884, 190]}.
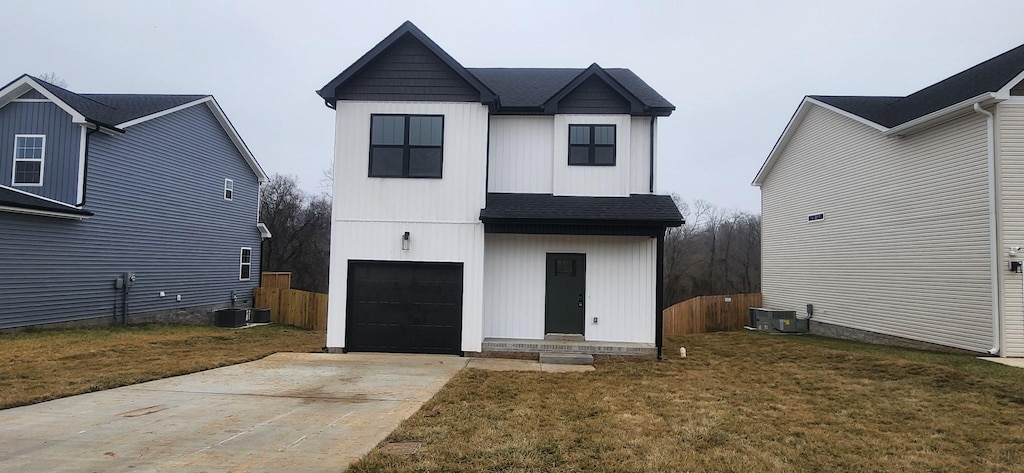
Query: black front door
{"type": "Point", "coordinates": [565, 293]}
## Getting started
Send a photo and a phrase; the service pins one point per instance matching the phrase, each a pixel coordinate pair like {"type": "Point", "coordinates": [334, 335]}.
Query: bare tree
{"type": "Point", "coordinates": [301, 225]}
{"type": "Point", "coordinates": [715, 252]}
{"type": "Point", "coordinates": [53, 78]}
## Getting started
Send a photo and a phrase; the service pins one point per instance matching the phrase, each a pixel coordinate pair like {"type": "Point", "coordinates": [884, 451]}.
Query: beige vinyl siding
{"type": "Point", "coordinates": [1010, 139]}
{"type": "Point", "coordinates": [904, 246]}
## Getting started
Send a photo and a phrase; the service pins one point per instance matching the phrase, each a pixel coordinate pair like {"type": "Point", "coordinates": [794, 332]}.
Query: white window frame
{"type": "Point", "coordinates": [229, 188]}
{"type": "Point", "coordinates": [242, 263]}
{"type": "Point", "coordinates": [41, 160]}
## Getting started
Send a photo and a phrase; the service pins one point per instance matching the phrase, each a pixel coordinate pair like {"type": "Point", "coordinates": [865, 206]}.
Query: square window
{"type": "Point", "coordinates": [425, 162]}
{"type": "Point", "coordinates": [591, 145]}
{"type": "Point", "coordinates": [386, 162]}
{"type": "Point", "coordinates": [406, 146]}
{"type": "Point", "coordinates": [565, 267]}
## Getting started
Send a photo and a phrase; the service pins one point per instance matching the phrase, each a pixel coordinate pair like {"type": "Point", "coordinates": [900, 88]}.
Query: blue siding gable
{"type": "Point", "coordinates": [157, 195]}
{"type": "Point", "coordinates": [63, 140]}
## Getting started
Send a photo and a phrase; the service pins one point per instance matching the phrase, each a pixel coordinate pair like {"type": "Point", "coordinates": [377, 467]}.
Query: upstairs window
{"type": "Point", "coordinates": [244, 264]}
{"type": "Point", "coordinates": [229, 189]}
{"type": "Point", "coordinates": [591, 145]}
{"type": "Point", "coordinates": [406, 146]}
{"type": "Point", "coordinates": [29, 152]}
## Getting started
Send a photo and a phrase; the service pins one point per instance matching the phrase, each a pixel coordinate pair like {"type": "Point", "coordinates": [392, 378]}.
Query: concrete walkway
{"type": "Point", "coordinates": [1015, 362]}
{"type": "Point", "coordinates": [286, 412]}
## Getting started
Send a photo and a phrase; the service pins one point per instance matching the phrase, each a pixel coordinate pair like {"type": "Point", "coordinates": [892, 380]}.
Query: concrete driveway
{"type": "Point", "coordinates": [286, 412]}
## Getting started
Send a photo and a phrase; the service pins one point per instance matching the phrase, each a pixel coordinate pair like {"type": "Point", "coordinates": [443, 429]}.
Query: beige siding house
{"type": "Point", "coordinates": [901, 219]}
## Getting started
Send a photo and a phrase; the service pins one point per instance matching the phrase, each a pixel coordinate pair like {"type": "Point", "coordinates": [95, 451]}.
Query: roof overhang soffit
{"type": "Point", "coordinates": [328, 92]}
{"type": "Point", "coordinates": [636, 106]}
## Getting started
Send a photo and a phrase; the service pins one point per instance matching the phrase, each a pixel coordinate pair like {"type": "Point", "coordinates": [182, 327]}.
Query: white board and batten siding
{"type": "Point", "coordinates": [903, 248]}
{"type": "Point", "coordinates": [441, 215]}
{"type": "Point", "coordinates": [620, 285]}
{"type": "Point", "coordinates": [1010, 146]}
{"type": "Point", "coordinates": [529, 154]}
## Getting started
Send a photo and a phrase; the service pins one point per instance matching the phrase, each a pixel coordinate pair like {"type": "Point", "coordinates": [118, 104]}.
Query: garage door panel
{"type": "Point", "coordinates": [406, 307]}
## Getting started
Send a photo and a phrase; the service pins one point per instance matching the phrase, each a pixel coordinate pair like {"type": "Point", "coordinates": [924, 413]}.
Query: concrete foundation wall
{"type": "Point", "coordinates": [847, 333]}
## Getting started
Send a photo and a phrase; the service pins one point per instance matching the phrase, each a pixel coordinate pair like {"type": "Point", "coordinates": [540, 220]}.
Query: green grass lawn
{"type": "Point", "coordinates": [40, 365]}
{"type": "Point", "coordinates": [741, 401]}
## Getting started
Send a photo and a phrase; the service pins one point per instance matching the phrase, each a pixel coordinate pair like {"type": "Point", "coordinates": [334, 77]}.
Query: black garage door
{"type": "Point", "coordinates": [404, 307]}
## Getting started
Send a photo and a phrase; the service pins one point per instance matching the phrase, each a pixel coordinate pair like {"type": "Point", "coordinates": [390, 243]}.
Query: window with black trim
{"type": "Point", "coordinates": [591, 145]}
{"type": "Point", "coordinates": [244, 264]}
{"type": "Point", "coordinates": [406, 146]}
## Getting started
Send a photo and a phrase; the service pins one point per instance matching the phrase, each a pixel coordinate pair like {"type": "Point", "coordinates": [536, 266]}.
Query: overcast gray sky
{"type": "Point", "coordinates": [736, 70]}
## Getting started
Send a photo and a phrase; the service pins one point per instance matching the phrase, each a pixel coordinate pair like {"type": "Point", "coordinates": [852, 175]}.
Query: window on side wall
{"type": "Point", "coordinates": [245, 264]}
{"type": "Point", "coordinates": [29, 154]}
{"type": "Point", "coordinates": [229, 189]}
{"type": "Point", "coordinates": [406, 146]}
{"type": "Point", "coordinates": [591, 145]}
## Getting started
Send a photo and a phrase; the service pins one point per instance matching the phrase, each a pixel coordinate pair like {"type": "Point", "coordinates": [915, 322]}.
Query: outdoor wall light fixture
{"type": "Point", "coordinates": [405, 241]}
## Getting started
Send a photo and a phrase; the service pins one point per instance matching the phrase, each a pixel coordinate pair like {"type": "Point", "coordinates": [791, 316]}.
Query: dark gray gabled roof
{"type": "Point", "coordinates": [113, 109]}
{"type": "Point", "coordinates": [636, 210]}
{"type": "Point", "coordinates": [13, 198]}
{"type": "Point", "coordinates": [330, 90]}
{"type": "Point", "coordinates": [530, 88]}
{"type": "Point", "coordinates": [514, 90]}
{"type": "Point", "coordinates": [989, 76]}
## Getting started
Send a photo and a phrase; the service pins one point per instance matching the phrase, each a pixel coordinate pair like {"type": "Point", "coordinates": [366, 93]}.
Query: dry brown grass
{"type": "Point", "coordinates": [36, 366]}
{"type": "Point", "coordinates": [741, 402]}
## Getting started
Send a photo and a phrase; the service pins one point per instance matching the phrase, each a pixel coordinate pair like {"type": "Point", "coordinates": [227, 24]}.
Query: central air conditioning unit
{"type": "Point", "coordinates": [777, 321]}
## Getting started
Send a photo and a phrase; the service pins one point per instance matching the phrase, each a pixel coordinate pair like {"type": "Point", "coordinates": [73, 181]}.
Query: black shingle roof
{"type": "Point", "coordinates": [13, 198]}
{"type": "Point", "coordinates": [637, 209]}
{"type": "Point", "coordinates": [989, 76]}
{"type": "Point", "coordinates": [531, 87]}
{"type": "Point", "coordinates": [113, 109]}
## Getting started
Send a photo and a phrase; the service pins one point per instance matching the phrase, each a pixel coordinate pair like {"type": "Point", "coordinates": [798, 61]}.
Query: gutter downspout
{"type": "Point", "coordinates": [993, 249]}
{"type": "Point", "coordinates": [85, 165]}
{"type": "Point", "coordinates": [659, 295]}
{"type": "Point", "coordinates": [653, 119]}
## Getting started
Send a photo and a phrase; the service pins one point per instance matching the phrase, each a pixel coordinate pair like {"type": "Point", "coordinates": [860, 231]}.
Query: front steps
{"type": "Point", "coordinates": [512, 347]}
{"type": "Point", "coordinates": [566, 359]}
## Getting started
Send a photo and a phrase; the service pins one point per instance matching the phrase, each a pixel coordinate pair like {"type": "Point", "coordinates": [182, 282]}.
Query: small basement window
{"type": "Point", "coordinates": [245, 264]}
{"type": "Point", "coordinates": [406, 146]}
{"type": "Point", "coordinates": [815, 217]}
{"type": "Point", "coordinates": [229, 189]}
{"type": "Point", "coordinates": [29, 153]}
{"type": "Point", "coordinates": [591, 145]}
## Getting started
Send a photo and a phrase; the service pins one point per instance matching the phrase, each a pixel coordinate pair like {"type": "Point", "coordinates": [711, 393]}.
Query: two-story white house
{"type": "Point", "coordinates": [485, 210]}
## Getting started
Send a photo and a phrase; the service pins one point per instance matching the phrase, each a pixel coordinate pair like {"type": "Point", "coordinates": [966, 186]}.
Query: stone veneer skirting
{"type": "Point", "coordinates": [846, 333]}
{"type": "Point", "coordinates": [195, 315]}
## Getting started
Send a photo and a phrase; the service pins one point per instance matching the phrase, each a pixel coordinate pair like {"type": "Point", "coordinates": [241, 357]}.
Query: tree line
{"type": "Point", "coordinates": [715, 252]}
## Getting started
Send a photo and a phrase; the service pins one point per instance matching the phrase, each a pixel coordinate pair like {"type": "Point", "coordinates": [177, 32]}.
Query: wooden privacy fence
{"type": "Point", "coordinates": [710, 313]}
{"type": "Point", "coordinates": [276, 280]}
{"type": "Point", "coordinates": [292, 307]}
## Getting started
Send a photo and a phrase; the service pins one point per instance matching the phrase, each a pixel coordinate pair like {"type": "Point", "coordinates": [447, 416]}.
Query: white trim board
{"type": "Point", "coordinates": [40, 197]}
{"type": "Point", "coordinates": [42, 213]}
{"type": "Point", "coordinates": [21, 85]}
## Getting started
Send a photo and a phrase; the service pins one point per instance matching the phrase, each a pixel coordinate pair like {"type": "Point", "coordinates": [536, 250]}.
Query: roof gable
{"type": "Point", "coordinates": [594, 91]}
{"type": "Point", "coordinates": [407, 65]}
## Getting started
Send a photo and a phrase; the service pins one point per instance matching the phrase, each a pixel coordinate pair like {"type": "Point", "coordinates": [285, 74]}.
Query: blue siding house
{"type": "Point", "coordinates": [120, 208]}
